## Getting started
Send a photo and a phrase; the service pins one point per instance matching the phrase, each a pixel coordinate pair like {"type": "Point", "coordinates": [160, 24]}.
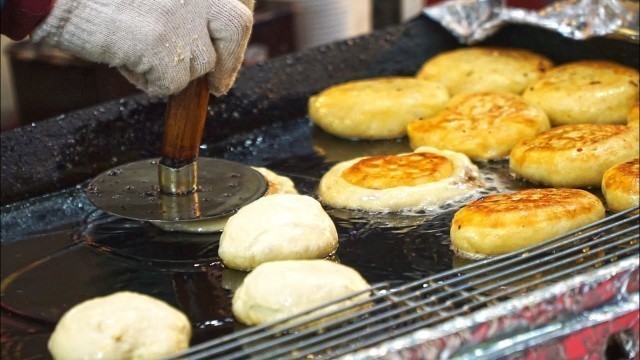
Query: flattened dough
{"type": "Point", "coordinates": [476, 69]}
{"type": "Point", "coordinates": [428, 177]}
{"type": "Point", "coordinates": [275, 290]}
{"type": "Point", "coordinates": [586, 92]}
{"type": "Point", "coordinates": [503, 223]}
{"type": "Point", "coordinates": [483, 126]}
{"type": "Point", "coordinates": [124, 325]}
{"type": "Point", "coordinates": [277, 227]}
{"type": "Point", "coordinates": [377, 108]}
{"type": "Point", "coordinates": [278, 184]}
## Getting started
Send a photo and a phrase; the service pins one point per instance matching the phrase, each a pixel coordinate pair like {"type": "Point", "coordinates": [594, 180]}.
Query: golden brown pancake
{"type": "Point", "coordinates": [483, 126]}
{"type": "Point", "coordinates": [476, 69]}
{"type": "Point", "coordinates": [621, 187]}
{"type": "Point", "coordinates": [376, 108]}
{"type": "Point", "coordinates": [398, 170]}
{"type": "Point", "coordinates": [503, 223]}
{"type": "Point", "coordinates": [595, 92]}
{"type": "Point", "coordinates": [573, 155]}
{"type": "Point", "coordinates": [413, 181]}
{"type": "Point", "coordinates": [634, 116]}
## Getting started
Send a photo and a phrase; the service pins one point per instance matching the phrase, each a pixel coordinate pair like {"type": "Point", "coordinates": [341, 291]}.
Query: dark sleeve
{"type": "Point", "coordinates": [20, 17]}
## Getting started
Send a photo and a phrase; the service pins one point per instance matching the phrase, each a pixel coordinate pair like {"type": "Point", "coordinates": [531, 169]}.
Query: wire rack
{"type": "Point", "coordinates": [390, 312]}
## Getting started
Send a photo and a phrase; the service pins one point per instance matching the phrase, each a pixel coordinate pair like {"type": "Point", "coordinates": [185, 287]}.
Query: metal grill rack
{"type": "Point", "coordinates": [391, 312]}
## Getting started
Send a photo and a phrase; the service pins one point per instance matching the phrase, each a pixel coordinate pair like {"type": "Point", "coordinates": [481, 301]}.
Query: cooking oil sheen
{"type": "Point", "coordinates": [58, 250]}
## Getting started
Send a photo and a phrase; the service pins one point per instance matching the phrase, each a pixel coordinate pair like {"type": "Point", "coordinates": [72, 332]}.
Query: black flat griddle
{"type": "Point", "coordinates": [57, 250]}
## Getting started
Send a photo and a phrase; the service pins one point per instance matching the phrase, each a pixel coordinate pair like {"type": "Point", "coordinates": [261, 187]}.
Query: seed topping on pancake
{"type": "Point", "coordinates": [568, 136]}
{"type": "Point", "coordinates": [482, 111]}
{"type": "Point", "coordinates": [592, 73]}
{"type": "Point", "coordinates": [473, 69]}
{"type": "Point", "coordinates": [532, 199]}
{"type": "Point", "coordinates": [503, 223]}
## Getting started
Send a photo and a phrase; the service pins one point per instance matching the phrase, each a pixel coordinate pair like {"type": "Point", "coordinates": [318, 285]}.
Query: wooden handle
{"type": "Point", "coordinates": [184, 123]}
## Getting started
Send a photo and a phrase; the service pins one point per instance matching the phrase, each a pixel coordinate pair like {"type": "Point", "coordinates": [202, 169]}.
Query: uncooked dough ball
{"type": "Point", "coordinates": [276, 290]}
{"type": "Point", "coordinates": [277, 227]}
{"type": "Point", "coordinates": [124, 325]}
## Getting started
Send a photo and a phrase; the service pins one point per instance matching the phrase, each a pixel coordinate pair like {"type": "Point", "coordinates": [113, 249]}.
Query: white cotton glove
{"type": "Point", "coordinates": [158, 45]}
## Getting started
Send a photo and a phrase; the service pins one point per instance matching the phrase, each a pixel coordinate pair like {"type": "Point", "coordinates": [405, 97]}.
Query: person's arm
{"type": "Point", "coordinates": [20, 17]}
{"type": "Point", "coordinates": [158, 45]}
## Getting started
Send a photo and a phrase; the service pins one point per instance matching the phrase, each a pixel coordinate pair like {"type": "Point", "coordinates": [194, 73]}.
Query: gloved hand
{"type": "Point", "coordinates": [158, 45]}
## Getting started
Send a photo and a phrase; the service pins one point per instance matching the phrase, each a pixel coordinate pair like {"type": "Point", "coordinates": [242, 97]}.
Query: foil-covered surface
{"type": "Point", "coordinates": [597, 302]}
{"type": "Point", "coordinates": [471, 21]}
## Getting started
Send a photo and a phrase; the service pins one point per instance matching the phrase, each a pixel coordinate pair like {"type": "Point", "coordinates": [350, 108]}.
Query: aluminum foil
{"type": "Point", "coordinates": [471, 21]}
{"type": "Point", "coordinates": [538, 317]}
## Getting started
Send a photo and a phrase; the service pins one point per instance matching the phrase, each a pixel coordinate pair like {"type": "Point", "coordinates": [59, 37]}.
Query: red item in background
{"type": "Point", "coordinates": [529, 4]}
{"type": "Point", "coordinates": [20, 17]}
{"type": "Point", "coordinates": [525, 4]}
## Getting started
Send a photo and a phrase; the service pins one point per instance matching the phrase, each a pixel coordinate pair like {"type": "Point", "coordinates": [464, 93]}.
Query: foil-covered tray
{"type": "Point", "coordinates": [473, 21]}
{"type": "Point", "coordinates": [594, 307]}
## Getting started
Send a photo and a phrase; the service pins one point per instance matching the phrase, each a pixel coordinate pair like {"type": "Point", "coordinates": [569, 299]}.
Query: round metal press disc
{"type": "Point", "coordinates": [132, 191]}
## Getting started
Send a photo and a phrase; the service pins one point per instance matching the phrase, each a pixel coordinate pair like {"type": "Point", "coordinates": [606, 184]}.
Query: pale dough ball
{"type": "Point", "coordinates": [503, 223]}
{"type": "Point", "coordinates": [476, 69]}
{"type": "Point", "coordinates": [376, 108]}
{"type": "Point", "coordinates": [275, 290]}
{"type": "Point", "coordinates": [124, 325]}
{"type": "Point", "coordinates": [594, 92]}
{"type": "Point", "coordinates": [483, 126]}
{"type": "Point", "coordinates": [277, 227]}
{"type": "Point", "coordinates": [573, 155]}
{"type": "Point", "coordinates": [621, 186]}
{"type": "Point", "coordinates": [426, 178]}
